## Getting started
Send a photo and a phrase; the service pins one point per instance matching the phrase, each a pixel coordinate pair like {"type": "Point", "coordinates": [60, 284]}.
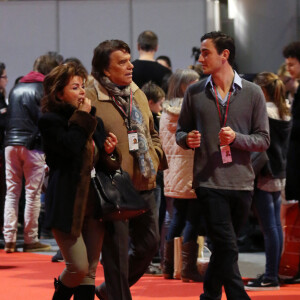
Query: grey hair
{"type": "Point", "coordinates": [179, 79]}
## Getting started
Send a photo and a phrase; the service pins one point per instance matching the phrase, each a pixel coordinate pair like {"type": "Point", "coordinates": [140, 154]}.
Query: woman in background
{"type": "Point", "coordinates": [291, 84]}
{"type": "Point", "coordinates": [74, 142]}
{"type": "Point", "coordinates": [271, 180]}
{"type": "Point", "coordinates": [181, 204]}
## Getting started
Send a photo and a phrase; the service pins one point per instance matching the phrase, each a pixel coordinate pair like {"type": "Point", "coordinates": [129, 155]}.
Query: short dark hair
{"type": "Point", "coordinates": [222, 41]}
{"type": "Point", "coordinates": [74, 60]}
{"type": "Point", "coordinates": [45, 63]}
{"type": "Point", "coordinates": [153, 92]}
{"type": "Point", "coordinates": [292, 50]}
{"type": "Point", "coordinates": [101, 58]}
{"type": "Point", "coordinates": [166, 59]}
{"type": "Point", "coordinates": [148, 40]}
{"type": "Point", "coordinates": [2, 68]}
{"type": "Point", "coordinates": [56, 81]}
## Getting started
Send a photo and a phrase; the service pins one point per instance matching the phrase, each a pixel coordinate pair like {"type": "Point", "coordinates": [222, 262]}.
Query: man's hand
{"type": "Point", "coordinates": [226, 136]}
{"type": "Point", "coordinates": [193, 139]}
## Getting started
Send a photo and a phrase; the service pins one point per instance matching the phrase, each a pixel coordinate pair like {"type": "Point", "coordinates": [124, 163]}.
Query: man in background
{"type": "Point", "coordinates": [145, 67]}
{"type": "Point", "coordinates": [24, 156]}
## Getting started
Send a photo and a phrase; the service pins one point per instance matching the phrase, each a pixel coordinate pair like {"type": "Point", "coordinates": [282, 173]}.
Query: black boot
{"type": "Point", "coordinates": [84, 292]}
{"type": "Point", "coordinates": [61, 291]}
{"type": "Point", "coordinates": [189, 269]}
{"type": "Point", "coordinates": [168, 264]}
{"type": "Point", "coordinates": [100, 291]}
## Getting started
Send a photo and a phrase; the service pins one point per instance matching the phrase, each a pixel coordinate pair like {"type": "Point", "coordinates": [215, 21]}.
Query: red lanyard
{"type": "Point", "coordinates": [218, 106]}
{"type": "Point", "coordinates": [122, 109]}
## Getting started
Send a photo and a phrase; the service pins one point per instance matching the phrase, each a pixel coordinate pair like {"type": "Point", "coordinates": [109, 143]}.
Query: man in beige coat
{"type": "Point", "coordinates": [124, 110]}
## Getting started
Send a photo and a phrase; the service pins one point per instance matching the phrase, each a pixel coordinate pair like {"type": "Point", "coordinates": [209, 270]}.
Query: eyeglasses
{"type": "Point", "coordinates": [4, 76]}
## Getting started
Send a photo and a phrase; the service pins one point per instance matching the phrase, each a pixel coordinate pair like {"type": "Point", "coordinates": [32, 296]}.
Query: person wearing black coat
{"type": "Point", "coordinates": [24, 157]}
{"type": "Point", "coordinates": [74, 142]}
{"type": "Point", "coordinates": [291, 54]}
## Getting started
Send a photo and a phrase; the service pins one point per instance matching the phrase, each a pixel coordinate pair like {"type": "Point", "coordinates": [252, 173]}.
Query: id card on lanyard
{"type": "Point", "coordinates": [225, 149]}
{"type": "Point", "coordinates": [133, 141]}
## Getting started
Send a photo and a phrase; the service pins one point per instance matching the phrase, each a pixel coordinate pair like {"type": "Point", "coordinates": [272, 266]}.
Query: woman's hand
{"type": "Point", "coordinates": [110, 143]}
{"type": "Point", "coordinates": [84, 105]}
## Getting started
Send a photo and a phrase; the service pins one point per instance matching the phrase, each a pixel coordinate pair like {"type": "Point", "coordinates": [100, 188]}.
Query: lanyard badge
{"type": "Point", "coordinates": [133, 141]}
{"type": "Point", "coordinates": [225, 149]}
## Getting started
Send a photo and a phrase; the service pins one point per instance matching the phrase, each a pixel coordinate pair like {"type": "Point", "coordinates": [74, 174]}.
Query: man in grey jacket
{"type": "Point", "coordinates": [224, 119]}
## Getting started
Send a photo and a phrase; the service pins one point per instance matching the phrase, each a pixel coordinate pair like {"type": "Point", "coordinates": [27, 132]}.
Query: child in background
{"type": "Point", "coordinates": [156, 97]}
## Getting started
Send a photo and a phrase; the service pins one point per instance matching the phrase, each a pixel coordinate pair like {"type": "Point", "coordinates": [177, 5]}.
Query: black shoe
{"type": "Point", "coordinates": [262, 284]}
{"type": "Point", "coordinates": [57, 257]}
{"type": "Point", "coordinates": [293, 280]}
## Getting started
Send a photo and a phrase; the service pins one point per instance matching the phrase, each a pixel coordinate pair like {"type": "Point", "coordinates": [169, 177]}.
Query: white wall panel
{"type": "Point", "coordinates": [178, 24]}
{"type": "Point", "coordinates": [84, 25]}
{"type": "Point", "coordinates": [27, 30]}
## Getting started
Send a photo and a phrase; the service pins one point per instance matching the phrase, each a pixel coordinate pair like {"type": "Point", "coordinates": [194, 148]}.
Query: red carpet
{"type": "Point", "coordinates": [25, 276]}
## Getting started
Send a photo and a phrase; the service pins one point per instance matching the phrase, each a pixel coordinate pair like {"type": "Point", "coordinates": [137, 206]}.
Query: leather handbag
{"type": "Point", "coordinates": [118, 198]}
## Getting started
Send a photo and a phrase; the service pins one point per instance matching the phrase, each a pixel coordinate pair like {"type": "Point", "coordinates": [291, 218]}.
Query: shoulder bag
{"type": "Point", "coordinates": [118, 198]}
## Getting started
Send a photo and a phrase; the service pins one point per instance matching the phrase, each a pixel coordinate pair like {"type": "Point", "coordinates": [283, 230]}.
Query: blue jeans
{"type": "Point", "coordinates": [185, 219]}
{"type": "Point", "coordinates": [267, 208]}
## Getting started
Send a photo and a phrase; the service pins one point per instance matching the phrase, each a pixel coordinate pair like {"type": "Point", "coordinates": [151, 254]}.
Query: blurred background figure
{"type": "Point", "coordinates": [271, 179]}
{"type": "Point", "coordinates": [182, 212]}
{"type": "Point", "coordinates": [292, 59]}
{"type": "Point", "coordinates": [156, 97]}
{"type": "Point", "coordinates": [3, 113]}
{"type": "Point", "coordinates": [24, 156]}
{"type": "Point", "coordinates": [291, 84]}
{"type": "Point", "coordinates": [164, 61]}
{"type": "Point", "coordinates": [291, 54]}
{"type": "Point", "coordinates": [145, 67]}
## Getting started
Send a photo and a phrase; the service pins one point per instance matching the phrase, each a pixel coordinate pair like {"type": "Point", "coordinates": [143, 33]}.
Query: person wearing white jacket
{"type": "Point", "coordinates": [182, 213]}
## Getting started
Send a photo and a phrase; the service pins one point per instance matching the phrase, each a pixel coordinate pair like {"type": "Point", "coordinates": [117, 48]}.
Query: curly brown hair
{"type": "Point", "coordinates": [57, 79]}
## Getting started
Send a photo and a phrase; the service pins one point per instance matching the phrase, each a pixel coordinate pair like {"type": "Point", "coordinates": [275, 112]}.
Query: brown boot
{"type": "Point", "coordinates": [168, 263]}
{"type": "Point", "coordinates": [189, 269]}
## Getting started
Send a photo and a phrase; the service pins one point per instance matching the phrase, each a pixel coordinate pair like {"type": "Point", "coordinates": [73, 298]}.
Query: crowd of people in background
{"type": "Point", "coordinates": [196, 138]}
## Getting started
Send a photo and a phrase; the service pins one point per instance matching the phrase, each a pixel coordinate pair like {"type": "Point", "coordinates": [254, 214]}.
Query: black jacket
{"type": "Point", "coordinates": [3, 114]}
{"type": "Point", "coordinates": [67, 143]}
{"type": "Point", "coordinates": [277, 152]}
{"type": "Point", "coordinates": [292, 188]}
{"type": "Point", "coordinates": [23, 114]}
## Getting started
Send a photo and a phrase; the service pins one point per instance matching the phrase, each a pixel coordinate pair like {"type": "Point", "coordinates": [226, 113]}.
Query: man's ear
{"type": "Point", "coordinates": [226, 54]}
{"type": "Point", "coordinates": [106, 73]}
{"type": "Point", "coordinates": [138, 47]}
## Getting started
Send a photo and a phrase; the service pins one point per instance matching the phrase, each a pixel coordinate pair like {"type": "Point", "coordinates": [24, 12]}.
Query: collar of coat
{"type": "Point", "coordinates": [102, 93]}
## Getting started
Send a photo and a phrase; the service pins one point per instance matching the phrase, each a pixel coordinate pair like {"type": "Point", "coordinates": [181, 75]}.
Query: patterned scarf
{"type": "Point", "coordinates": [122, 96]}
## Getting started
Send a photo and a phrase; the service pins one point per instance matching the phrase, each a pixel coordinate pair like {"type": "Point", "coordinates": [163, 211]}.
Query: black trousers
{"type": "Point", "coordinates": [128, 249]}
{"type": "Point", "coordinates": [225, 212]}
